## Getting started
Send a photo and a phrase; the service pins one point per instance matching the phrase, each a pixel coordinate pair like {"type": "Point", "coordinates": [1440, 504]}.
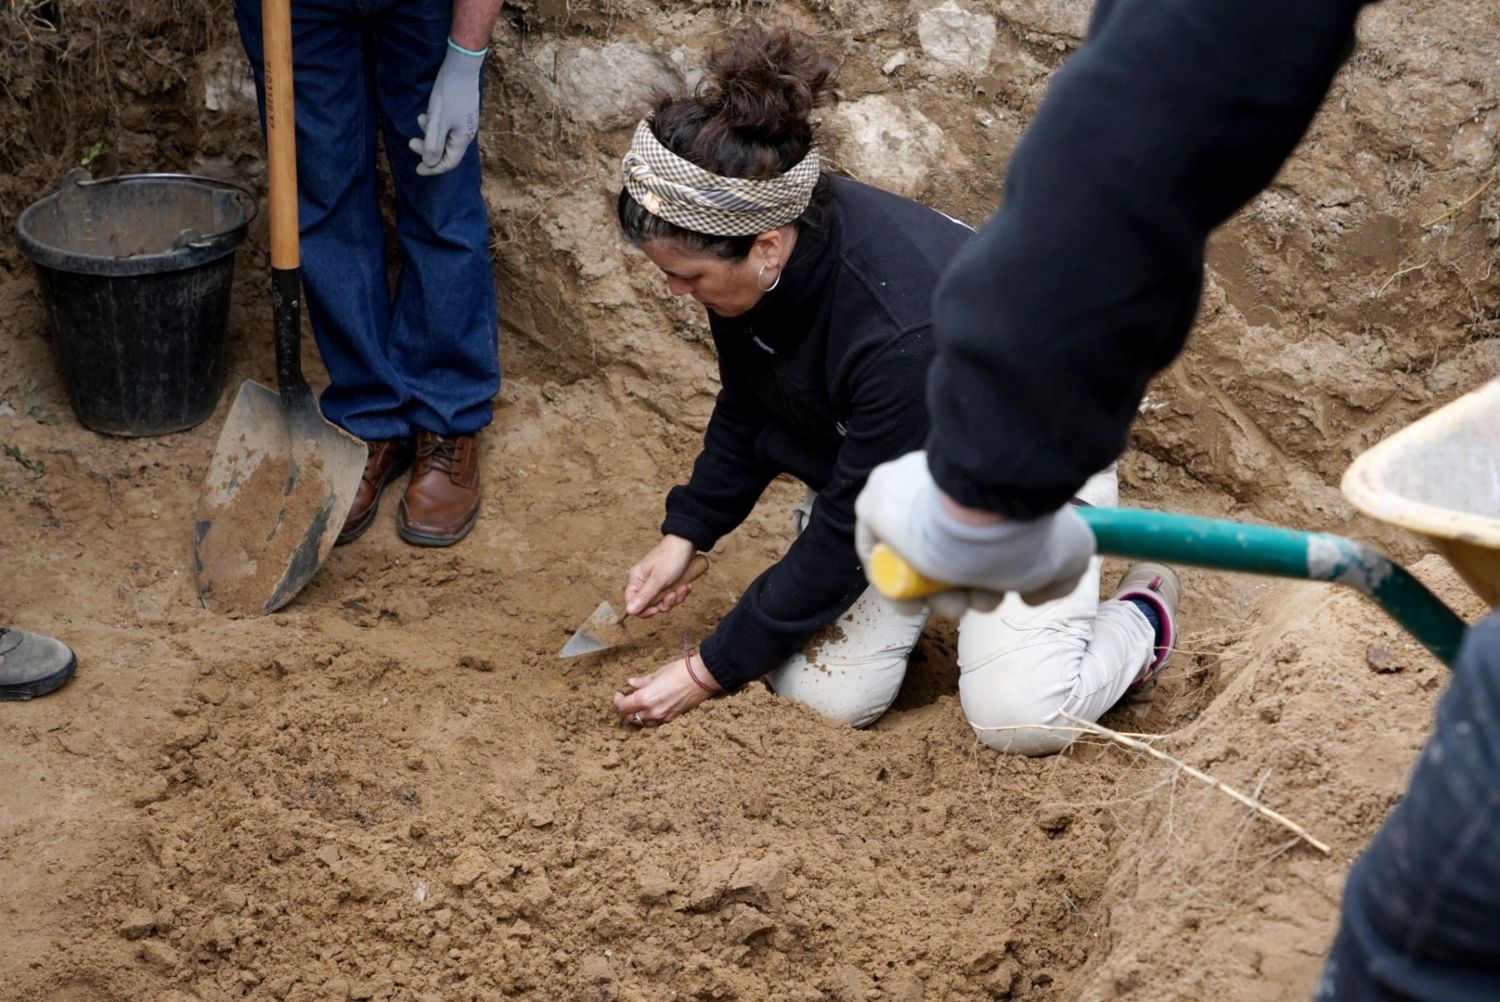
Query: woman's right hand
{"type": "Point", "coordinates": [656, 570]}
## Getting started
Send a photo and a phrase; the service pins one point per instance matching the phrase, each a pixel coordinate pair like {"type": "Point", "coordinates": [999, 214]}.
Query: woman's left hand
{"type": "Point", "coordinates": [663, 695]}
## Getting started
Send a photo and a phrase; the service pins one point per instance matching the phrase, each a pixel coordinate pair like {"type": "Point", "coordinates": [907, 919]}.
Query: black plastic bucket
{"type": "Point", "coordinates": [136, 272]}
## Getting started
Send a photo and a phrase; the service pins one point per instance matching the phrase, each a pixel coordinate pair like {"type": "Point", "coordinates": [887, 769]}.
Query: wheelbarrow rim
{"type": "Point", "coordinates": [1363, 482]}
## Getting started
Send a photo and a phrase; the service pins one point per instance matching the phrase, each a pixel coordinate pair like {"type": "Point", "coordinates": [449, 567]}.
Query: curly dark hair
{"type": "Point", "coordinates": [750, 117]}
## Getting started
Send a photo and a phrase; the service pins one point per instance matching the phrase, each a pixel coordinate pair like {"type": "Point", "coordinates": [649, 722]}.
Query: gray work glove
{"type": "Point", "coordinates": [1041, 559]}
{"type": "Point", "coordinates": [452, 118]}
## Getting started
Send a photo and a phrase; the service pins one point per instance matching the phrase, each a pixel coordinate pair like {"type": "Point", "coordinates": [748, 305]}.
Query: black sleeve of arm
{"type": "Point", "coordinates": [820, 575]}
{"type": "Point", "coordinates": [1049, 325]}
{"type": "Point", "coordinates": [727, 477]}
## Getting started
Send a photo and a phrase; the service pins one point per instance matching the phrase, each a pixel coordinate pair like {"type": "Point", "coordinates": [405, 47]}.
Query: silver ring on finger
{"type": "Point", "coordinates": [637, 721]}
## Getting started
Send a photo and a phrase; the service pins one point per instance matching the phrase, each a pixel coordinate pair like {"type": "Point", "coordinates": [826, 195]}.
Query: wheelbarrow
{"type": "Point", "coordinates": [1438, 478]}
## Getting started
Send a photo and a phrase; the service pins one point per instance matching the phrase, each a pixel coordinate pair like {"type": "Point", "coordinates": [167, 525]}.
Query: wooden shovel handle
{"type": "Point", "coordinates": [281, 132]}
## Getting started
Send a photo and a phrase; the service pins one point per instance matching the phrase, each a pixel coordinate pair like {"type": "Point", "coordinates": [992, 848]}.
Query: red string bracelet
{"type": "Point", "coordinates": [687, 659]}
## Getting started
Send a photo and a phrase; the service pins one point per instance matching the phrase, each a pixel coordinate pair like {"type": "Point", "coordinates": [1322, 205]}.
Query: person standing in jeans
{"type": "Point", "coordinates": [413, 365]}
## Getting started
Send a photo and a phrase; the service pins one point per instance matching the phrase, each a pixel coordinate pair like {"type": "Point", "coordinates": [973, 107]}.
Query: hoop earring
{"type": "Point", "coordinates": [759, 275]}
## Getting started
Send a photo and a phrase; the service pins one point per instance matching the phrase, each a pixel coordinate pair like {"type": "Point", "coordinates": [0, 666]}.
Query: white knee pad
{"type": "Point", "coordinates": [1020, 664]}
{"type": "Point", "coordinates": [854, 675]}
{"type": "Point", "coordinates": [999, 707]}
{"type": "Point", "coordinates": [842, 695]}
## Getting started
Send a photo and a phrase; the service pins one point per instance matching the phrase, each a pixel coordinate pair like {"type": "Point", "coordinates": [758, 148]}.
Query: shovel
{"type": "Point", "coordinates": [282, 478]}
{"type": "Point", "coordinates": [1235, 546]}
{"type": "Point", "coordinates": [606, 629]}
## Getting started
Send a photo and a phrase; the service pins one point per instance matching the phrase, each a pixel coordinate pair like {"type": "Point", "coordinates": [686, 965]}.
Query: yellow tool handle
{"type": "Point", "coordinates": [898, 580]}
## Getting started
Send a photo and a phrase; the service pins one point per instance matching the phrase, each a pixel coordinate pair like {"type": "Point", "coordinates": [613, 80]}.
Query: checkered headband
{"type": "Point", "coordinates": [686, 195]}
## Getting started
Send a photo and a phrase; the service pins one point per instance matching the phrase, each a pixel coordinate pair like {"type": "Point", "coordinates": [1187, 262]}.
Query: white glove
{"type": "Point", "coordinates": [1042, 559]}
{"type": "Point", "coordinates": [452, 118]}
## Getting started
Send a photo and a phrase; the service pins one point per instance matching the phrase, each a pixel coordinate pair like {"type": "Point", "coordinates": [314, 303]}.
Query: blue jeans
{"type": "Point", "coordinates": [1421, 919]}
{"type": "Point", "coordinates": [424, 354]}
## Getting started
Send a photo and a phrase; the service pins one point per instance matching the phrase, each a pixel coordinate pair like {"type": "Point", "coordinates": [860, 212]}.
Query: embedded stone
{"type": "Point", "coordinates": [956, 39]}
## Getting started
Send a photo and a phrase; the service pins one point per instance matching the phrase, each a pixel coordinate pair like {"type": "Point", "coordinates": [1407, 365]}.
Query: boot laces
{"type": "Point", "coordinates": [440, 454]}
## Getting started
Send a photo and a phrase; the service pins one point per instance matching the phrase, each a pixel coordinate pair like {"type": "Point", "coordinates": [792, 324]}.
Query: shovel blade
{"type": "Point", "coordinates": [599, 632]}
{"type": "Point", "coordinates": [278, 488]}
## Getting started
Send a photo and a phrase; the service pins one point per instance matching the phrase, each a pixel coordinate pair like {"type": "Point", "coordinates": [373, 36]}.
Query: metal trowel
{"type": "Point", "coordinates": [606, 628]}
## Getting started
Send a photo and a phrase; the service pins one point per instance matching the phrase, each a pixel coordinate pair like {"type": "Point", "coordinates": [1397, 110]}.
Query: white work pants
{"type": "Point", "coordinates": [1018, 665]}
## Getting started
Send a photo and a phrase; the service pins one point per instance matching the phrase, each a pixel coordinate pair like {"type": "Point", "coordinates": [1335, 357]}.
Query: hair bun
{"type": "Point", "coordinates": [765, 82]}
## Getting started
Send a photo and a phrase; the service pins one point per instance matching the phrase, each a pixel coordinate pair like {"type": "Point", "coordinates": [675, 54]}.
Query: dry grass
{"type": "Point", "coordinates": [70, 69]}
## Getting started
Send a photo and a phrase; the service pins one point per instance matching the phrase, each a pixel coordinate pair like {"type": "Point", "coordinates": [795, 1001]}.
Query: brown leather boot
{"type": "Point", "coordinates": [442, 500]}
{"type": "Point", "coordinates": [387, 460]}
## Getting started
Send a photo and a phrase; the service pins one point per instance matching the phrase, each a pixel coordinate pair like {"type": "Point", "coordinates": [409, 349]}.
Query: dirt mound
{"type": "Point", "coordinates": [393, 790]}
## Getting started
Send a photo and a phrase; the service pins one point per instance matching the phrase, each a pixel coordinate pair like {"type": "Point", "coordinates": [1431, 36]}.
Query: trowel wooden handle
{"type": "Point", "coordinates": [696, 568]}
{"type": "Point", "coordinates": [898, 580]}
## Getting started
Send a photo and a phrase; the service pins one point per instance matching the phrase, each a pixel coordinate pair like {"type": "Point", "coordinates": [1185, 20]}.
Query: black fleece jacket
{"type": "Point", "coordinates": [823, 379]}
{"type": "Point", "coordinates": [1172, 115]}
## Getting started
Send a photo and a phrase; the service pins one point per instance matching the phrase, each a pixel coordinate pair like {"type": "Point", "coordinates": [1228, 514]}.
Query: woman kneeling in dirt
{"type": "Point", "coordinates": [818, 294]}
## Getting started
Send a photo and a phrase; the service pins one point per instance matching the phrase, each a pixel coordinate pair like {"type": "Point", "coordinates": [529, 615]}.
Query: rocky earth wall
{"type": "Point", "coordinates": [1361, 271]}
{"type": "Point", "coordinates": [1367, 269]}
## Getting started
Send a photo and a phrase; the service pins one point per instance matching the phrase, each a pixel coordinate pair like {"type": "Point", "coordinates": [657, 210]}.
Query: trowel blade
{"type": "Point", "coordinates": [588, 638]}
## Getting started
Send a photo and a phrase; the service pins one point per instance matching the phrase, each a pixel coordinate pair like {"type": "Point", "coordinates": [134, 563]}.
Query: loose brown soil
{"type": "Point", "coordinates": [393, 789]}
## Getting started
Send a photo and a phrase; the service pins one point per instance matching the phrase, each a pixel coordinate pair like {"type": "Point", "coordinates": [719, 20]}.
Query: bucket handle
{"type": "Point", "coordinates": [79, 177]}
